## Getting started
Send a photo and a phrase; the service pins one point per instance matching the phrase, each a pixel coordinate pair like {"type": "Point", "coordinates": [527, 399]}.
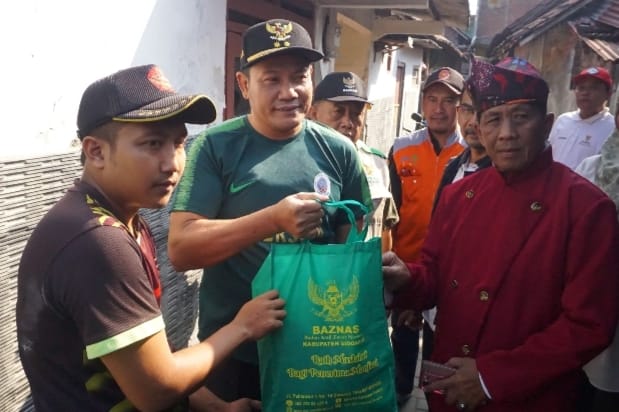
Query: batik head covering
{"type": "Point", "coordinates": [510, 81]}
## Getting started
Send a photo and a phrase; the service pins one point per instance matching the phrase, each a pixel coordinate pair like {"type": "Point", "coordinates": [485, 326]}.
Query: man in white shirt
{"type": "Point", "coordinates": [601, 392]}
{"type": "Point", "coordinates": [581, 133]}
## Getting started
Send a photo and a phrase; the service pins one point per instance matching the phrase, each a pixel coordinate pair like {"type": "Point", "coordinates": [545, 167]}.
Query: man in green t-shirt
{"type": "Point", "coordinates": [255, 180]}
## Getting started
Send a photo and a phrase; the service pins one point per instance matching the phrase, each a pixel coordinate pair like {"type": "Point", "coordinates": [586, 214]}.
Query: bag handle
{"type": "Point", "coordinates": [354, 235]}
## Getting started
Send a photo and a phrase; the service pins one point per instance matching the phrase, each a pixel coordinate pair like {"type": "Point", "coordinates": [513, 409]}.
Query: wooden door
{"type": "Point", "coordinates": [235, 104]}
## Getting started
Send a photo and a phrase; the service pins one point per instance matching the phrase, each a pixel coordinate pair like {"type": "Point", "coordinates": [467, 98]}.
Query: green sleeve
{"type": "Point", "coordinates": [200, 189]}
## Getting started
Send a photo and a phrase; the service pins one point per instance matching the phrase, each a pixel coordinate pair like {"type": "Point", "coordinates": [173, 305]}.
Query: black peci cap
{"type": "Point", "coordinates": [138, 95]}
{"type": "Point", "coordinates": [341, 87]}
{"type": "Point", "coordinates": [276, 36]}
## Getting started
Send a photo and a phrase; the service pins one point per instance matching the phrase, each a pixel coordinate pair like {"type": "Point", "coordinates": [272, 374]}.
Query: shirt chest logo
{"type": "Point", "coordinates": [235, 188]}
{"type": "Point", "coordinates": [322, 184]}
{"type": "Point", "coordinates": [586, 141]}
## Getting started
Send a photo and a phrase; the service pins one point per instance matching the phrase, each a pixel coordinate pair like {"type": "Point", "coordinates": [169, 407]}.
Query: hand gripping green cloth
{"type": "Point", "coordinates": [333, 352]}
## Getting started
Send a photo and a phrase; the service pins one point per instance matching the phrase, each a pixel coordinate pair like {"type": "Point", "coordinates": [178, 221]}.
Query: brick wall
{"type": "Point", "coordinates": [28, 188]}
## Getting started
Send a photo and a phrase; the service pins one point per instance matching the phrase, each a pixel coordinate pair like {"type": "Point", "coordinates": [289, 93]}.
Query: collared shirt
{"type": "Point", "coordinates": [573, 138]}
{"type": "Point", "coordinates": [533, 230]}
{"type": "Point", "coordinates": [86, 288]}
{"type": "Point", "coordinates": [603, 171]}
{"type": "Point", "coordinates": [385, 214]}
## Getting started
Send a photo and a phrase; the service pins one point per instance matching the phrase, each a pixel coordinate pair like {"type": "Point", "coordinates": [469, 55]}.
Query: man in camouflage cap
{"type": "Point", "coordinates": [341, 102]}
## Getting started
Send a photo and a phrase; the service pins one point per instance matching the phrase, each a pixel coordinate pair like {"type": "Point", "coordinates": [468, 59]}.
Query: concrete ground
{"type": "Point", "coordinates": [417, 403]}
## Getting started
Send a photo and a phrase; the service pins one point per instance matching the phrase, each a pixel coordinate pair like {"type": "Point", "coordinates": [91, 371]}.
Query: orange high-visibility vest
{"type": "Point", "coordinates": [419, 170]}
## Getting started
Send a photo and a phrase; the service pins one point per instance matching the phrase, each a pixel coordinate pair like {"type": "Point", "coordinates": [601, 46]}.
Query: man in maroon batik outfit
{"type": "Point", "coordinates": [520, 259]}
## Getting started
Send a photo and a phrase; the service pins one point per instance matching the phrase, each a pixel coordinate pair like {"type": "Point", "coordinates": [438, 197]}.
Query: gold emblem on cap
{"type": "Point", "coordinates": [469, 194]}
{"type": "Point", "coordinates": [280, 33]}
{"type": "Point", "coordinates": [536, 206]}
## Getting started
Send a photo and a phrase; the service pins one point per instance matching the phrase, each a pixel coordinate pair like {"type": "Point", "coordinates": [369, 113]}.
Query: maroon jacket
{"type": "Point", "coordinates": [525, 275]}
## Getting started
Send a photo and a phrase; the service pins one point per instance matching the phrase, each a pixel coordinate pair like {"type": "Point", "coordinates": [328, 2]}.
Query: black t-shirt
{"type": "Point", "coordinates": [86, 288]}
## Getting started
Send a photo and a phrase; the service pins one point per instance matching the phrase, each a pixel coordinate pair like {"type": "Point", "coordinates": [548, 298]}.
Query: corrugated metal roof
{"type": "Point", "coordinates": [540, 19]}
{"type": "Point", "coordinates": [602, 38]}
{"type": "Point", "coordinates": [606, 50]}
{"type": "Point", "coordinates": [609, 14]}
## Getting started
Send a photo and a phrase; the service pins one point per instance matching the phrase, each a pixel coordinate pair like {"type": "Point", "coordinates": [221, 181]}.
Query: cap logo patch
{"type": "Point", "coordinates": [593, 70]}
{"type": "Point", "coordinates": [349, 82]}
{"type": "Point", "coordinates": [157, 79]}
{"type": "Point", "coordinates": [280, 33]}
{"type": "Point", "coordinates": [444, 74]}
{"type": "Point", "coordinates": [350, 85]}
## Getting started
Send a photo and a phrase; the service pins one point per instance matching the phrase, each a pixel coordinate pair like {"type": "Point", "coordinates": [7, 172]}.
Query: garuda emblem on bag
{"type": "Point", "coordinates": [332, 300]}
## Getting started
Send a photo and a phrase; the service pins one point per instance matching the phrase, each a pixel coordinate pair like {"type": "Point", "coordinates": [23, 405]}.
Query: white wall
{"type": "Point", "coordinates": [381, 119]}
{"type": "Point", "coordinates": [413, 59]}
{"type": "Point", "coordinates": [52, 50]}
{"type": "Point", "coordinates": [346, 41]}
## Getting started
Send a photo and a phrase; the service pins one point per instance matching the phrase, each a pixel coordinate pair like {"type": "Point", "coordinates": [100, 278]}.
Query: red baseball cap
{"type": "Point", "coordinates": [599, 73]}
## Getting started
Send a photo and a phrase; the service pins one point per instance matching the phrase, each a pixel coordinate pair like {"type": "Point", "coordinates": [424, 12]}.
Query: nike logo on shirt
{"type": "Point", "coordinates": [234, 188]}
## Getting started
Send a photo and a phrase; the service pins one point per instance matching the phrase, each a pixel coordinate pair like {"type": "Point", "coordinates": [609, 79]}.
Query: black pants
{"type": "Point", "coordinates": [594, 400]}
{"type": "Point", "coordinates": [428, 341]}
{"type": "Point", "coordinates": [405, 343]}
{"type": "Point", "coordinates": [233, 379]}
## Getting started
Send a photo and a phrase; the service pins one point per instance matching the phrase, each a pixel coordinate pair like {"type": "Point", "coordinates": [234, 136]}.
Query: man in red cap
{"type": "Point", "coordinates": [581, 133]}
{"type": "Point", "coordinates": [520, 260]}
